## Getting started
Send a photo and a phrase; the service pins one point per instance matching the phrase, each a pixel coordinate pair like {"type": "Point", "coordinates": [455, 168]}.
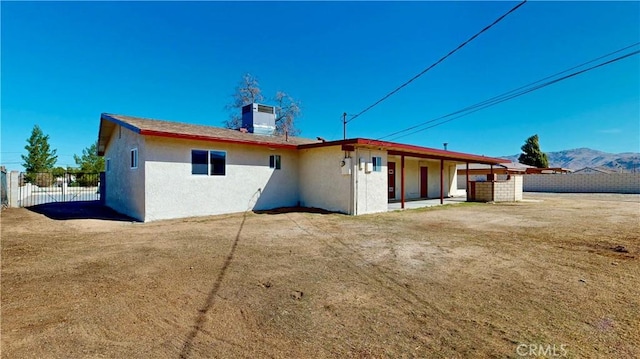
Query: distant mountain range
{"type": "Point", "coordinates": [585, 157]}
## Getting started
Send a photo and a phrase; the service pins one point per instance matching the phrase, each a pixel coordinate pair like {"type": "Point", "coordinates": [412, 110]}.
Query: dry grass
{"type": "Point", "coordinates": [462, 281]}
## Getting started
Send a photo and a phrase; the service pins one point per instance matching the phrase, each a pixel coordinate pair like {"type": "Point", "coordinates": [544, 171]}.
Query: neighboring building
{"type": "Point", "coordinates": [160, 170]}
{"type": "Point", "coordinates": [483, 172]}
{"type": "Point", "coordinates": [592, 170]}
{"type": "Point", "coordinates": [547, 170]}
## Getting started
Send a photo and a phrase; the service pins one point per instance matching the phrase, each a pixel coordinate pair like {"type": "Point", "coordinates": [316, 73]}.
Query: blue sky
{"type": "Point", "coordinates": [64, 63]}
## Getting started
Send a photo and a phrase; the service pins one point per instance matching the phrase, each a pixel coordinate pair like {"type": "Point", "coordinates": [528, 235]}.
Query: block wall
{"type": "Point", "coordinates": [583, 183]}
{"type": "Point", "coordinates": [504, 191]}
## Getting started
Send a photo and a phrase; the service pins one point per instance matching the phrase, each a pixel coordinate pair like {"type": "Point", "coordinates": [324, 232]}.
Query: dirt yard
{"type": "Point", "coordinates": [472, 280]}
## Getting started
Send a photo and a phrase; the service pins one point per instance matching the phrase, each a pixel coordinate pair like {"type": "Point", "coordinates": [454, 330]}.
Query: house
{"type": "Point", "coordinates": [593, 170]}
{"type": "Point", "coordinates": [547, 170]}
{"type": "Point", "coordinates": [160, 169]}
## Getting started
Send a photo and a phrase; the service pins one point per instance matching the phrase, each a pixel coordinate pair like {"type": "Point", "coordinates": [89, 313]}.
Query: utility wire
{"type": "Point", "coordinates": [523, 92]}
{"type": "Point", "coordinates": [507, 94]}
{"type": "Point", "coordinates": [437, 62]}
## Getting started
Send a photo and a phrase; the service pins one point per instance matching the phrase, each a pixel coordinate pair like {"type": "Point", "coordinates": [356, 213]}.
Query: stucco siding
{"type": "Point", "coordinates": [322, 184]}
{"type": "Point", "coordinates": [125, 185]}
{"type": "Point", "coordinates": [172, 191]}
{"type": "Point", "coordinates": [371, 187]}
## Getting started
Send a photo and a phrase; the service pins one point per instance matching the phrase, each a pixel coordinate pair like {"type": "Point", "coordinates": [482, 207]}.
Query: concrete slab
{"type": "Point", "coordinates": [411, 204]}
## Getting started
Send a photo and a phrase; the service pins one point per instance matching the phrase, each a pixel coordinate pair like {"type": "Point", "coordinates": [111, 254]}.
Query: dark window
{"type": "Point", "coordinates": [199, 164]}
{"type": "Point", "coordinates": [275, 162]}
{"type": "Point", "coordinates": [218, 162]}
{"type": "Point", "coordinates": [211, 163]}
{"type": "Point", "coordinates": [134, 158]}
{"type": "Point", "coordinates": [377, 164]}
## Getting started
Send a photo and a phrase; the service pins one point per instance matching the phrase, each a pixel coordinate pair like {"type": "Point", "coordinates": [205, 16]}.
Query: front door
{"type": "Point", "coordinates": [392, 179]}
{"type": "Point", "coordinates": [423, 182]}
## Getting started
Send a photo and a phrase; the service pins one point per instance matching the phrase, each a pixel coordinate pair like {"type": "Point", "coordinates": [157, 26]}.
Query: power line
{"type": "Point", "coordinates": [437, 62]}
{"type": "Point", "coordinates": [520, 93]}
{"type": "Point", "coordinates": [506, 94]}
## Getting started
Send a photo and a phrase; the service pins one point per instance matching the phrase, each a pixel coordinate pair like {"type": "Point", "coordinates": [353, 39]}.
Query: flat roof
{"type": "Point", "coordinates": [401, 149]}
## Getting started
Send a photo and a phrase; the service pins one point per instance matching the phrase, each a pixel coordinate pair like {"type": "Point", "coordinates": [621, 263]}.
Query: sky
{"type": "Point", "coordinates": [65, 63]}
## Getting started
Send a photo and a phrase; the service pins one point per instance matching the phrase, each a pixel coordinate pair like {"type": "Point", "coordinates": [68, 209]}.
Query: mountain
{"type": "Point", "coordinates": [578, 158]}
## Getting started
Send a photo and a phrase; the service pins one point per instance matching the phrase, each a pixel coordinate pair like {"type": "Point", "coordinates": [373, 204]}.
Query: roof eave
{"type": "Point", "coordinates": [215, 139]}
{"type": "Point", "coordinates": [401, 147]}
{"type": "Point", "coordinates": [108, 117]}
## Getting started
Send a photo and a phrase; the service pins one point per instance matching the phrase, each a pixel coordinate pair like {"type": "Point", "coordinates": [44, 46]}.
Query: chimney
{"type": "Point", "coordinates": [259, 119]}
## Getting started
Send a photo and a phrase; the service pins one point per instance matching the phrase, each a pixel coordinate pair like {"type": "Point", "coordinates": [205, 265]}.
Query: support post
{"type": "Point", "coordinates": [493, 181]}
{"type": "Point", "coordinates": [467, 173]}
{"type": "Point", "coordinates": [14, 189]}
{"type": "Point", "coordinates": [441, 181]}
{"type": "Point", "coordinates": [344, 126]}
{"type": "Point", "coordinates": [402, 181]}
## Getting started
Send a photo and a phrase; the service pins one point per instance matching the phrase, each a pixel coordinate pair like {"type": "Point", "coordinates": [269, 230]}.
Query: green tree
{"type": "Point", "coordinates": [248, 91]}
{"type": "Point", "coordinates": [58, 172]}
{"type": "Point", "coordinates": [90, 161]}
{"type": "Point", "coordinates": [532, 155]}
{"type": "Point", "coordinates": [40, 157]}
{"type": "Point", "coordinates": [90, 164]}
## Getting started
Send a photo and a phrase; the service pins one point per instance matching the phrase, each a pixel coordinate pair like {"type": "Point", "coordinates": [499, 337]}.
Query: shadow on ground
{"type": "Point", "coordinates": [79, 210]}
{"type": "Point", "coordinates": [294, 210]}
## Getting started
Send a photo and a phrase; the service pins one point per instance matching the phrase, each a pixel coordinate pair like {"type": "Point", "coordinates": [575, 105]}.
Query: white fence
{"type": "Point", "coordinates": [583, 183]}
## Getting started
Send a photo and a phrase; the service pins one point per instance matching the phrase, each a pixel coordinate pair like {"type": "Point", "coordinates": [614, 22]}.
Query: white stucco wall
{"type": "Point", "coordinates": [322, 184]}
{"type": "Point", "coordinates": [371, 187]}
{"type": "Point", "coordinates": [249, 184]}
{"type": "Point", "coordinates": [124, 185]}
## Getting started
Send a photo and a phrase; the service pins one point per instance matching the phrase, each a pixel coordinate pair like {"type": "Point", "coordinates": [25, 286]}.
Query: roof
{"type": "Point", "coordinates": [401, 149]}
{"type": "Point", "coordinates": [510, 166]}
{"type": "Point", "coordinates": [171, 129]}
{"type": "Point", "coordinates": [594, 169]}
{"type": "Point", "coordinates": [547, 170]}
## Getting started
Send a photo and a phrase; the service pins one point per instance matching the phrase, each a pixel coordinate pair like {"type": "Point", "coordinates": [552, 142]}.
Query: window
{"type": "Point", "coordinates": [107, 165]}
{"type": "Point", "coordinates": [211, 163]}
{"type": "Point", "coordinates": [377, 164]}
{"type": "Point", "coordinates": [134, 158]}
{"type": "Point", "coordinates": [275, 162]}
{"type": "Point", "coordinates": [217, 163]}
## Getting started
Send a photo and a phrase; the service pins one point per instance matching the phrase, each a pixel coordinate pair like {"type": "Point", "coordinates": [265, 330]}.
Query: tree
{"type": "Point", "coordinates": [532, 155]}
{"type": "Point", "coordinates": [40, 157]}
{"type": "Point", "coordinates": [90, 164]}
{"type": "Point", "coordinates": [90, 161]}
{"type": "Point", "coordinates": [287, 109]}
{"type": "Point", "coordinates": [248, 91]}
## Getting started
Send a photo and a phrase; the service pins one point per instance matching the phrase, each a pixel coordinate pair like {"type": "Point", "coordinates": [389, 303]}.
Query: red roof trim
{"type": "Point", "coordinates": [215, 139]}
{"type": "Point", "coordinates": [401, 147]}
